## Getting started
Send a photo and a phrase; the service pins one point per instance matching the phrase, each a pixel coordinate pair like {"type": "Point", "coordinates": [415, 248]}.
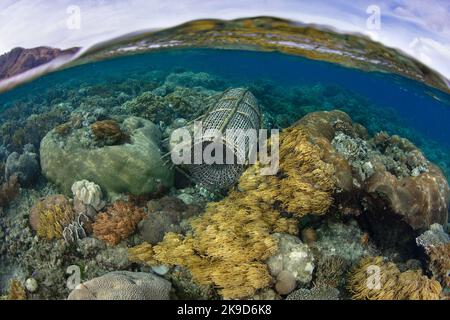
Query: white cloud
{"type": "Point", "coordinates": [31, 23]}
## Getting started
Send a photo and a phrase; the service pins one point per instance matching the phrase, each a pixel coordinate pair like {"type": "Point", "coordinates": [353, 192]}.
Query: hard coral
{"type": "Point", "coordinates": [164, 215]}
{"type": "Point", "coordinates": [229, 244]}
{"type": "Point", "coordinates": [8, 191]}
{"type": "Point", "coordinates": [322, 292]}
{"type": "Point", "coordinates": [123, 285]}
{"type": "Point", "coordinates": [392, 284]}
{"type": "Point", "coordinates": [118, 222]}
{"type": "Point", "coordinates": [439, 263]}
{"type": "Point", "coordinates": [149, 106]}
{"type": "Point", "coordinates": [108, 132]}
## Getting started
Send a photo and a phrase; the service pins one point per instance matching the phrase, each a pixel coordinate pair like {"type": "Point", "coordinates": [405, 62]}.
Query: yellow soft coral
{"type": "Point", "coordinates": [230, 242]}
{"type": "Point", "coordinates": [393, 284]}
{"type": "Point", "coordinates": [16, 291]}
{"type": "Point", "coordinates": [52, 221]}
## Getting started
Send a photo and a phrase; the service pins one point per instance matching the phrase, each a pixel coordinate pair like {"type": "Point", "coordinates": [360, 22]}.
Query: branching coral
{"type": "Point", "coordinates": [118, 222]}
{"type": "Point", "coordinates": [229, 244]}
{"type": "Point", "coordinates": [390, 284]}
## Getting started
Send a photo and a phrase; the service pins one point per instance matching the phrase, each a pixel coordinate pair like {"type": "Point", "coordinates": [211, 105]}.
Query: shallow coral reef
{"type": "Point", "coordinates": [351, 192]}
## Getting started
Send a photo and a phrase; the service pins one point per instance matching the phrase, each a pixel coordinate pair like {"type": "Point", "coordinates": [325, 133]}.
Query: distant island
{"type": "Point", "coordinates": [19, 60]}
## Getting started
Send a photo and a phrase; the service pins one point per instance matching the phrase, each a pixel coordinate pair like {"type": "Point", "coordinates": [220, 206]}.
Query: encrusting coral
{"type": "Point", "coordinates": [231, 241]}
{"type": "Point", "coordinates": [108, 132]}
{"type": "Point", "coordinates": [393, 284]}
{"type": "Point", "coordinates": [118, 222]}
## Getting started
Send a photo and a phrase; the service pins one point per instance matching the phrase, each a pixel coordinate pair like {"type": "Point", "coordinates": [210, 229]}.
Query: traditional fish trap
{"type": "Point", "coordinates": [235, 109]}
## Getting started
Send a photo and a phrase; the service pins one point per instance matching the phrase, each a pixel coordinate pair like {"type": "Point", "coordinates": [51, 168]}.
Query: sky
{"type": "Point", "coordinates": [420, 28]}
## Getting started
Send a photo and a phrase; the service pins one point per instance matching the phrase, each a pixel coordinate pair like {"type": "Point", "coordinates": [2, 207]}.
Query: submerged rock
{"type": "Point", "coordinates": [25, 166]}
{"type": "Point", "coordinates": [292, 257]}
{"type": "Point", "coordinates": [123, 285]}
{"type": "Point", "coordinates": [134, 167]}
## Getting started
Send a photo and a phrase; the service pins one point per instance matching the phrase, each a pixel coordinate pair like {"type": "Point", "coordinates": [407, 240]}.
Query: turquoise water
{"type": "Point", "coordinates": [287, 86]}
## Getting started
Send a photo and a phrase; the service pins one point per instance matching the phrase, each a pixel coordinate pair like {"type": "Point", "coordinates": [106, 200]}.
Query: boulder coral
{"type": "Point", "coordinates": [230, 243]}
{"type": "Point", "coordinates": [164, 215]}
{"type": "Point", "coordinates": [25, 166]}
{"type": "Point", "coordinates": [376, 279]}
{"type": "Point", "coordinates": [118, 222]}
{"type": "Point", "coordinates": [293, 257]}
{"type": "Point", "coordinates": [135, 168]}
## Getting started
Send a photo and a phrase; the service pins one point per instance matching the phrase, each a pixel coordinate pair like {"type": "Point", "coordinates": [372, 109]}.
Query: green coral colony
{"type": "Point", "coordinates": [86, 186]}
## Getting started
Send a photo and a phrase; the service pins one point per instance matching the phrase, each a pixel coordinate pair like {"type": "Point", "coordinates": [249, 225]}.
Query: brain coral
{"type": "Point", "coordinates": [118, 222]}
{"type": "Point", "coordinates": [123, 285]}
{"type": "Point", "coordinates": [231, 241]}
{"type": "Point", "coordinates": [393, 284]}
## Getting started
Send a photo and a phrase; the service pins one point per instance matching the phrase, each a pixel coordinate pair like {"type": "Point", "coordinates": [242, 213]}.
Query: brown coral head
{"type": "Point", "coordinates": [309, 235]}
{"type": "Point", "coordinates": [9, 190]}
{"type": "Point", "coordinates": [108, 132]}
{"type": "Point", "coordinates": [118, 222]}
{"type": "Point", "coordinates": [44, 204]}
